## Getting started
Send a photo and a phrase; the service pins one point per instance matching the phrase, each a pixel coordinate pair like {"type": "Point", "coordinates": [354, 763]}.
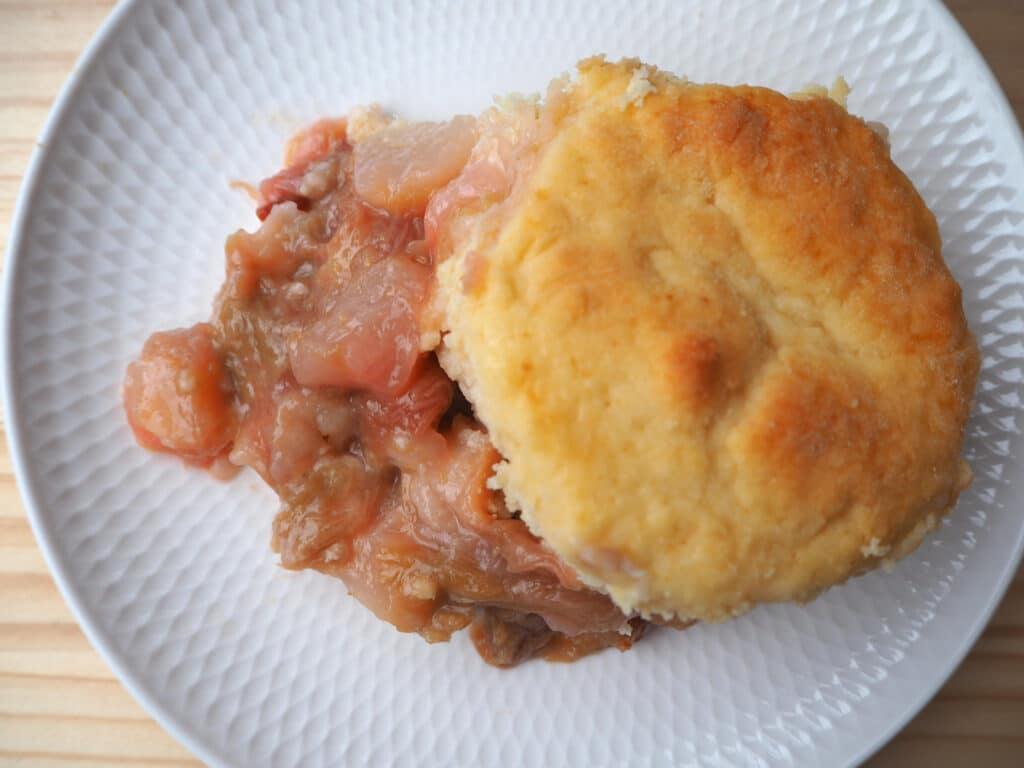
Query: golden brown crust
{"type": "Point", "coordinates": [716, 343]}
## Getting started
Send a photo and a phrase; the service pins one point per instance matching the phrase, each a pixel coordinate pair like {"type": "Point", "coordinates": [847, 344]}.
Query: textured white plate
{"type": "Point", "coordinates": [119, 233]}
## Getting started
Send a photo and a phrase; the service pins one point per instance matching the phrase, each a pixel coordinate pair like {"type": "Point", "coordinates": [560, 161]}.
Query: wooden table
{"type": "Point", "coordinates": [59, 703]}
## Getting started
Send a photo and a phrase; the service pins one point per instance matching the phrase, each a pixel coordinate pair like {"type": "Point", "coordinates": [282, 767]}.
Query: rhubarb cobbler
{"type": "Point", "coordinates": [645, 351]}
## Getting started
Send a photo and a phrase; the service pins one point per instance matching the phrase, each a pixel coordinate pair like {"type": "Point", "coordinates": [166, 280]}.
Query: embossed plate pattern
{"type": "Point", "coordinates": [119, 233]}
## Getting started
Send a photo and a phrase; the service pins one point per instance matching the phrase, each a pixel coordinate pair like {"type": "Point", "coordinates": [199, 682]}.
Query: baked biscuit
{"type": "Point", "coordinates": [712, 334]}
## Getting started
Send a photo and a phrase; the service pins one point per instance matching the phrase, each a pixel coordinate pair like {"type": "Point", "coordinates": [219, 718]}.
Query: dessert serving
{"type": "Point", "coordinates": [644, 352]}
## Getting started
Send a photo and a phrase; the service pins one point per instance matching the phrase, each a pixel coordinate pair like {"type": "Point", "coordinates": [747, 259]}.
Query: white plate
{"type": "Point", "coordinates": [119, 232]}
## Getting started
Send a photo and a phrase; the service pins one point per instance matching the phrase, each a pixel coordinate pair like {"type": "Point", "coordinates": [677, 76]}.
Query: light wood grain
{"type": "Point", "coordinates": [59, 703]}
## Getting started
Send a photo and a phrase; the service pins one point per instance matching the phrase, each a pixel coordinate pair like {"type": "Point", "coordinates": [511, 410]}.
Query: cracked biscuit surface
{"type": "Point", "coordinates": [711, 332]}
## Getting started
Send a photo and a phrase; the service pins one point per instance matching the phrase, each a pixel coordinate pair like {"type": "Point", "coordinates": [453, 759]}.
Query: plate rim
{"type": "Point", "coordinates": [957, 35]}
{"type": "Point", "coordinates": [69, 591]}
{"type": "Point", "coordinates": [954, 34]}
